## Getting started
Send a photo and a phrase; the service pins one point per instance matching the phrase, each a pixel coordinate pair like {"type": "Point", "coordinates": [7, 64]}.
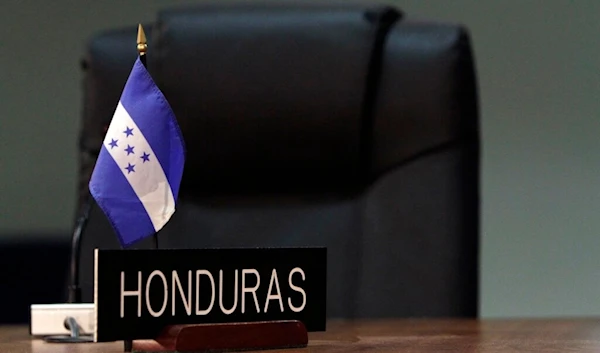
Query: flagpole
{"type": "Point", "coordinates": [142, 47]}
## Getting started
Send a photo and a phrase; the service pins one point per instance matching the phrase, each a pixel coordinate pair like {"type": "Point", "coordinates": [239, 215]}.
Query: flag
{"type": "Point", "coordinates": [138, 172]}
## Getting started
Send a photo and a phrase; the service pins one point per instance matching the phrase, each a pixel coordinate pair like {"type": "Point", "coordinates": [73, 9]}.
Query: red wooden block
{"type": "Point", "coordinates": [226, 337]}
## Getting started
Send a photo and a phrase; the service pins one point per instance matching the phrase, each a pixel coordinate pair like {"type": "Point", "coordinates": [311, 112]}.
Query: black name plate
{"type": "Point", "coordinates": [139, 292]}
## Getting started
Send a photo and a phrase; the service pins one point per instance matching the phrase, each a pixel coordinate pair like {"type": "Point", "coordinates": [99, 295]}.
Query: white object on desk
{"type": "Point", "coordinates": [49, 319]}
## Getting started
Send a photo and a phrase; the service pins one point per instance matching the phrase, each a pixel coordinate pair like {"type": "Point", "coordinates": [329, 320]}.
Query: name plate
{"type": "Point", "coordinates": [139, 292]}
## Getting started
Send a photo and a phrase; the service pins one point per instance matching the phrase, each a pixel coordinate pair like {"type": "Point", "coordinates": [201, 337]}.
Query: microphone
{"type": "Point", "coordinates": [46, 318]}
{"type": "Point", "coordinates": [74, 287]}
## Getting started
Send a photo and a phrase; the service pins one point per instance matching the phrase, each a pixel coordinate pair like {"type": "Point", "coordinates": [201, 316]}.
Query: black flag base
{"type": "Point", "coordinates": [75, 336]}
{"type": "Point", "coordinates": [226, 337]}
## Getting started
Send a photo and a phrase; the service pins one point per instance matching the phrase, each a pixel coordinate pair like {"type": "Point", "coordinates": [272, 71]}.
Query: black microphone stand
{"type": "Point", "coordinates": [74, 296]}
{"type": "Point", "coordinates": [74, 287]}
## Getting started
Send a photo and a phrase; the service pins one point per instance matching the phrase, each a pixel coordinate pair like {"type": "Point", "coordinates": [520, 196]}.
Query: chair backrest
{"type": "Point", "coordinates": [345, 126]}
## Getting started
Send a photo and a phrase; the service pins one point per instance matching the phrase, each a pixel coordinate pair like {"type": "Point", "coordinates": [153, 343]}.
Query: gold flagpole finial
{"type": "Point", "coordinates": [141, 40]}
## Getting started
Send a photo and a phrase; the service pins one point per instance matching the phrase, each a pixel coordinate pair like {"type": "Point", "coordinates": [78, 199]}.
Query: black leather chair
{"type": "Point", "coordinates": [350, 126]}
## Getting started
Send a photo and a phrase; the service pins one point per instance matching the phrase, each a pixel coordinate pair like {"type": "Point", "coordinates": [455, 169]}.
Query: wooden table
{"type": "Point", "coordinates": [539, 336]}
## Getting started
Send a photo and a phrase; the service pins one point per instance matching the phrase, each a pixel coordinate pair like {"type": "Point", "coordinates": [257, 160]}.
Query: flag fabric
{"type": "Point", "coordinates": [138, 172]}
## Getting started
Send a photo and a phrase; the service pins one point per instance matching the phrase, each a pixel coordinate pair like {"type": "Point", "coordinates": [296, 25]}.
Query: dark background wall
{"type": "Point", "coordinates": [540, 87]}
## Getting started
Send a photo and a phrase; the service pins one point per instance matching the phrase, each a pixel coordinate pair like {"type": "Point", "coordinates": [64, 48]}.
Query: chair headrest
{"type": "Point", "coordinates": [271, 96]}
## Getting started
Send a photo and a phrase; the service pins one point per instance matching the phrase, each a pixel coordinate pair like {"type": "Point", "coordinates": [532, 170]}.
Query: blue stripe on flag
{"type": "Point", "coordinates": [119, 202]}
{"type": "Point", "coordinates": [148, 107]}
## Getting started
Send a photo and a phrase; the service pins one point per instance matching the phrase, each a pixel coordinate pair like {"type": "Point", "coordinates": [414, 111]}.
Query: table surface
{"type": "Point", "coordinates": [405, 335]}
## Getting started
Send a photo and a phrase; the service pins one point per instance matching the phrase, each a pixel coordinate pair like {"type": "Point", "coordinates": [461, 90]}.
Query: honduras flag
{"type": "Point", "coordinates": [138, 172]}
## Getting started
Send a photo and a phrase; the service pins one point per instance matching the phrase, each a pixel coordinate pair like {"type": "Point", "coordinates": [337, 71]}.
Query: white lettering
{"type": "Point", "coordinates": [250, 290]}
{"type": "Point", "coordinates": [137, 293]}
{"type": "Point", "coordinates": [165, 293]}
{"type": "Point", "coordinates": [227, 311]}
{"type": "Point", "coordinates": [276, 296]}
{"type": "Point", "coordinates": [297, 289]}
{"type": "Point", "coordinates": [212, 296]}
{"type": "Point", "coordinates": [186, 302]}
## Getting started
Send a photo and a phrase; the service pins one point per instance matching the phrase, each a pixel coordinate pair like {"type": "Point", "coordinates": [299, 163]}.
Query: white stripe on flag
{"type": "Point", "coordinates": [147, 179]}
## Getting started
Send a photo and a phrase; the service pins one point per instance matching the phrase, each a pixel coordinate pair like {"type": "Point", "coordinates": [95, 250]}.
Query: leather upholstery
{"type": "Point", "coordinates": [346, 126]}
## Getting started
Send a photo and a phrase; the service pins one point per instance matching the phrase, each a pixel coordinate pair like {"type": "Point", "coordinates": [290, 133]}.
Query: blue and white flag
{"type": "Point", "coordinates": [138, 172]}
